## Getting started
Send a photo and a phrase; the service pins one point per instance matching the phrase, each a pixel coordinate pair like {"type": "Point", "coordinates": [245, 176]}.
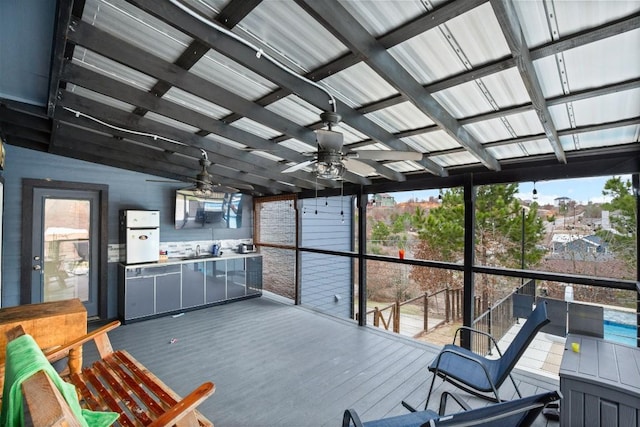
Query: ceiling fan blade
{"type": "Point", "coordinates": [169, 181]}
{"type": "Point", "coordinates": [329, 140]}
{"type": "Point", "coordinates": [358, 167]}
{"type": "Point", "coordinates": [299, 166]}
{"type": "Point", "coordinates": [385, 155]}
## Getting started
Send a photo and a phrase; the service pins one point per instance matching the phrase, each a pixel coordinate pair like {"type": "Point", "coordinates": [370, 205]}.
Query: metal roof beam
{"type": "Point", "coordinates": [218, 152]}
{"type": "Point", "coordinates": [229, 16]}
{"type": "Point", "coordinates": [247, 57]}
{"type": "Point", "coordinates": [508, 20]}
{"type": "Point", "coordinates": [575, 40]}
{"type": "Point", "coordinates": [348, 30]}
{"type": "Point", "coordinates": [181, 168]}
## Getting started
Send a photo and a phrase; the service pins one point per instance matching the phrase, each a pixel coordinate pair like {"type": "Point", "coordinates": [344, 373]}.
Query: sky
{"type": "Point", "coordinates": [582, 190]}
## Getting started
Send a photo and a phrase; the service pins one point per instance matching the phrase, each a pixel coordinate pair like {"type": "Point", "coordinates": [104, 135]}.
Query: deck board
{"type": "Point", "coordinates": [275, 364]}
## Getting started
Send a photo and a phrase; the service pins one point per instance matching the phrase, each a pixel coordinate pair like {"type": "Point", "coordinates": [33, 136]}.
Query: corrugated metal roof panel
{"type": "Point", "coordinates": [94, 96]}
{"type": "Point", "coordinates": [455, 159]}
{"type": "Point", "coordinates": [428, 57]}
{"type": "Point", "coordinates": [115, 70]}
{"type": "Point", "coordinates": [548, 76]}
{"type": "Point", "coordinates": [379, 17]}
{"type": "Point", "coordinates": [129, 23]}
{"type": "Point", "coordinates": [210, 8]}
{"type": "Point", "coordinates": [489, 130]}
{"type": "Point", "coordinates": [296, 109]}
{"type": "Point", "coordinates": [533, 21]}
{"type": "Point", "coordinates": [230, 75]}
{"type": "Point", "coordinates": [168, 121]}
{"type": "Point", "coordinates": [526, 123]}
{"type": "Point", "coordinates": [404, 167]}
{"type": "Point", "coordinates": [608, 108]}
{"type": "Point", "coordinates": [610, 60]}
{"type": "Point", "coordinates": [506, 88]}
{"type": "Point", "coordinates": [432, 141]}
{"type": "Point", "coordinates": [464, 100]}
{"type": "Point", "coordinates": [605, 138]}
{"type": "Point", "coordinates": [358, 85]}
{"type": "Point", "coordinates": [521, 149]}
{"type": "Point", "coordinates": [295, 39]}
{"type": "Point", "coordinates": [403, 116]}
{"type": "Point", "coordinates": [196, 103]}
{"type": "Point", "coordinates": [478, 35]}
{"type": "Point", "coordinates": [255, 128]}
{"type": "Point", "coordinates": [575, 16]}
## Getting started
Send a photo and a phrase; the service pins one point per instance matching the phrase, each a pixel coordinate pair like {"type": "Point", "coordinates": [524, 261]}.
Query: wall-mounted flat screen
{"type": "Point", "coordinates": [221, 210]}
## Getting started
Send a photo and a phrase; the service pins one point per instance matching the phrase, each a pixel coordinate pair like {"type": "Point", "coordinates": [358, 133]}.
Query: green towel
{"type": "Point", "coordinates": [24, 358]}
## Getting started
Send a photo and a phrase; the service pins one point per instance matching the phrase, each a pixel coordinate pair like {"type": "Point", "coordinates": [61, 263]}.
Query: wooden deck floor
{"type": "Point", "coordinates": [280, 365]}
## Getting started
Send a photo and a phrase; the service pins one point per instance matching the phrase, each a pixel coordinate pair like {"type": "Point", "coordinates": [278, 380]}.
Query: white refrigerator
{"type": "Point", "coordinates": [141, 235]}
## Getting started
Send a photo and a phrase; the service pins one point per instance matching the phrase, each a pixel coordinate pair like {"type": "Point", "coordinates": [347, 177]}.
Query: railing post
{"type": "Point", "coordinates": [396, 323]}
{"type": "Point", "coordinates": [489, 331]}
{"type": "Point", "coordinates": [376, 317]}
{"type": "Point", "coordinates": [447, 308]}
{"type": "Point", "coordinates": [426, 312]}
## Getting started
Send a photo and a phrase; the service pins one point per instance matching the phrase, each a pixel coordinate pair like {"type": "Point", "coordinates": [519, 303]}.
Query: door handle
{"type": "Point", "coordinates": [37, 267]}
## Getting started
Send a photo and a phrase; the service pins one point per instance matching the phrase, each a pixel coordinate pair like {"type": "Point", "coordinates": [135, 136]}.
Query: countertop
{"type": "Point", "coordinates": [184, 260]}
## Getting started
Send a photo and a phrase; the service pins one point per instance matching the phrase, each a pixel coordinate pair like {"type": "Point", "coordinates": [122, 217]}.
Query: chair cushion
{"type": "Point", "coordinates": [464, 370]}
{"type": "Point", "coordinates": [412, 419]}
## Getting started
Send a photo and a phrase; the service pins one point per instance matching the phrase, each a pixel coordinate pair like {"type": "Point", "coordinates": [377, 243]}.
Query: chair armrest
{"type": "Point", "coordinates": [350, 416]}
{"type": "Point", "coordinates": [44, 405]}
{"type": "Point", "coordinates": [477, 331]}
{"type": "Point", "coordinates": [464, 356]}
{"type": "Point", "coordinates": [99, 335]}
{"type": "Point", "coordinates": [458, 399]}
{"type": "Point", "coordinates": [185, 406]}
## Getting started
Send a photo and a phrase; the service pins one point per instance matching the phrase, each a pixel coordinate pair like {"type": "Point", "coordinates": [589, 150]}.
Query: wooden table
{"type": "Point", "coordinates": [600, 384]}
{"type": "Point", "coordinates": [51, 324]}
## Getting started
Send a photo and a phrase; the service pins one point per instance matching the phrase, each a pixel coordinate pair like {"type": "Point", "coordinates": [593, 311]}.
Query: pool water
{"type": "Point", "coordinates": [620, 332]}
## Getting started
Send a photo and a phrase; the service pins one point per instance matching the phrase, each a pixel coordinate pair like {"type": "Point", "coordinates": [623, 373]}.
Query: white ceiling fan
{"type": "Point", "coordinates": [331, 161]}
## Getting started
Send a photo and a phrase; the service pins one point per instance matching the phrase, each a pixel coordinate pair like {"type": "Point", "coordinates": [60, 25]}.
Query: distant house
{"type": "Point", "coordinates": [576, 246]}
{"type": "Point", "coordinates": [383, 200]}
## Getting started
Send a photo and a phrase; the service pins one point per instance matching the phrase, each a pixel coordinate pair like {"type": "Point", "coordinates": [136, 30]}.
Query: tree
{"type": "Point", "coordinates": [498, 230]}
{"type": "Point", "coordinates": [380, 232]}
{"type": "Point", "coordinates": [622, 237]}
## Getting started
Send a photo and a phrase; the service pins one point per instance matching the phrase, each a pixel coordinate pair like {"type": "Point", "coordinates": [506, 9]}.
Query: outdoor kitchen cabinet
{"type": "Point", "coordinates": [193, 274]}
{"type": "Point", "coordinates": [155, 289]}
{"type": "Point", "coordinates": [216, 281]}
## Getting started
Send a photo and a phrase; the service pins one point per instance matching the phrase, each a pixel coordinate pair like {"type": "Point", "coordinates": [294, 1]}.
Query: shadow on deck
{"type": "Point", "coordinates": [281, 365]}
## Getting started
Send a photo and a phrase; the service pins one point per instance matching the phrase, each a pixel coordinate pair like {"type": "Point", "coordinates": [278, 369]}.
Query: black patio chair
{"type": "Point", "coordinates": [515, 413]}
{"type": "Point", "coordinates": [478, 375]}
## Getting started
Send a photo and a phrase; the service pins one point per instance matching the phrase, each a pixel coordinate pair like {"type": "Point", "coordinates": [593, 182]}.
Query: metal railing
{"type": "Point", "coordinates": [440, 307]}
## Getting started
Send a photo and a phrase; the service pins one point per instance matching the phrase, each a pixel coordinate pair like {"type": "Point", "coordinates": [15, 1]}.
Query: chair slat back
{"type": "Point", "coordinates": [521, 341]}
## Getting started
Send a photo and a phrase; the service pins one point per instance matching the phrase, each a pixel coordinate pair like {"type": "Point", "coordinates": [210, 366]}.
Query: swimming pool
{"type": "Point", "coordinates": [620, 332]}
{"type": "Point", "coordinates": [619, 326]}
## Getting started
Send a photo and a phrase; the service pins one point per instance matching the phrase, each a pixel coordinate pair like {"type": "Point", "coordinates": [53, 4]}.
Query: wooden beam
{"type": "Point", "coordinates": [61, 27]}
{"type": "Point", "coordinates": [247, 57]}
{"type": "Point", "coordinates": [510, 24]}
{"type": "Point", "coordinates": [348, 30]}
{"type": "Point", "coordinates": [243, 161]}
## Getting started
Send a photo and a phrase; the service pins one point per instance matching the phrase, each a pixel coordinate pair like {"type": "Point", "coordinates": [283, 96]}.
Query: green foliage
{"type": "Point", "coordinates": [380, 232]}
{"type": "Point", "coordinates": [498, 227]}
{"type": "Point", "coordinates": [419, 218]}
{"type": "Point", "coordinates": [622, 207]}
{"type": "Point", "coordinates": [400, 222]}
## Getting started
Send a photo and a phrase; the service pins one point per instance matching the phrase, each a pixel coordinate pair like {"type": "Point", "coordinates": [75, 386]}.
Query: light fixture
{"type": "Point", "coordinates": [204, 184]}
{"type": "Point", "coordinates": [333, 169]}
{"type": "Point", "coordinates": [535, 192]}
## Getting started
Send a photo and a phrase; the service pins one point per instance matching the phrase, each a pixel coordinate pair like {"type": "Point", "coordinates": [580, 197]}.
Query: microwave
{"type": "Point", "coordinates": [245, 248]}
